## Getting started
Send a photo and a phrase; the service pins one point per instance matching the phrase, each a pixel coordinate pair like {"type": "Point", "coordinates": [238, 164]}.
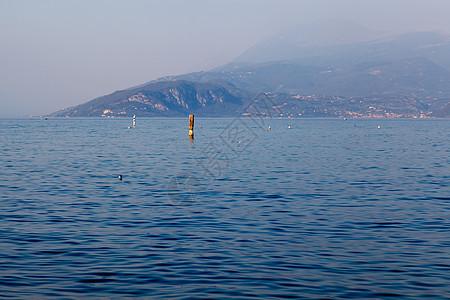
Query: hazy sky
{"type": "Point", "coordinates": [55, 54]}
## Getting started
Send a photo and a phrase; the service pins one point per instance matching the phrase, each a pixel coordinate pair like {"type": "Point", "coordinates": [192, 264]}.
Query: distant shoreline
{"type": "Point", "coordinates": [228, 117]}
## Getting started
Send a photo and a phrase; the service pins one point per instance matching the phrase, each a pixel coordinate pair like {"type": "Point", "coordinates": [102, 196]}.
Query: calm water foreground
{"type": "Point", "coordinates": [326, 209]}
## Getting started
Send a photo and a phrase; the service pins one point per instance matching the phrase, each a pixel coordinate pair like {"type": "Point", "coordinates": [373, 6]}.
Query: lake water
{"type": "Point", "coordinates": [325, 209]}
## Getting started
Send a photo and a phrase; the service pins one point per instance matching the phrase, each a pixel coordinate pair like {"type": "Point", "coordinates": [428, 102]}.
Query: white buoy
{"type": "Point", "coordinates": [379, 126]}
{"type": "Point", "coordinates": [289, 127]}
{"type": "Point", "coordinates": [120, 177]}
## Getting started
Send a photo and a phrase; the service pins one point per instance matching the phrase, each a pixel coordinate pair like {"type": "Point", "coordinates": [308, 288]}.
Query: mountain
{"type": "Point", "coordinates": [327, 70]}
{"type": "Point", "coordinates": [163, 99]}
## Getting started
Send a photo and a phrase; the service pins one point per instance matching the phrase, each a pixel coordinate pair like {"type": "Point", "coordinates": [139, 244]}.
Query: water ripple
{"type": "Point", "coordinates": [325, 210]}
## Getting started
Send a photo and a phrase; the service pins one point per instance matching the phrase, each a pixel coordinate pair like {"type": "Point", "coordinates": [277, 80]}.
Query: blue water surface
{"type": "Point", "coordinates": [308, 209]}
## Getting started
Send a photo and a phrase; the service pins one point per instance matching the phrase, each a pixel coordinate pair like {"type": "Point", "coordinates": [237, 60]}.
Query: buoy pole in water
{"type": "Point", "coordinates": [191, 127]}
{"type": "Point", "coordinates": [134, 120]}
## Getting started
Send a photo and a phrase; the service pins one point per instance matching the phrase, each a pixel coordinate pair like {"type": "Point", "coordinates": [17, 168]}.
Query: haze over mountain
{"type": "Point", "coordinates": [325, 61]}
{"type": "Point", "coordinates": [305, 41]}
